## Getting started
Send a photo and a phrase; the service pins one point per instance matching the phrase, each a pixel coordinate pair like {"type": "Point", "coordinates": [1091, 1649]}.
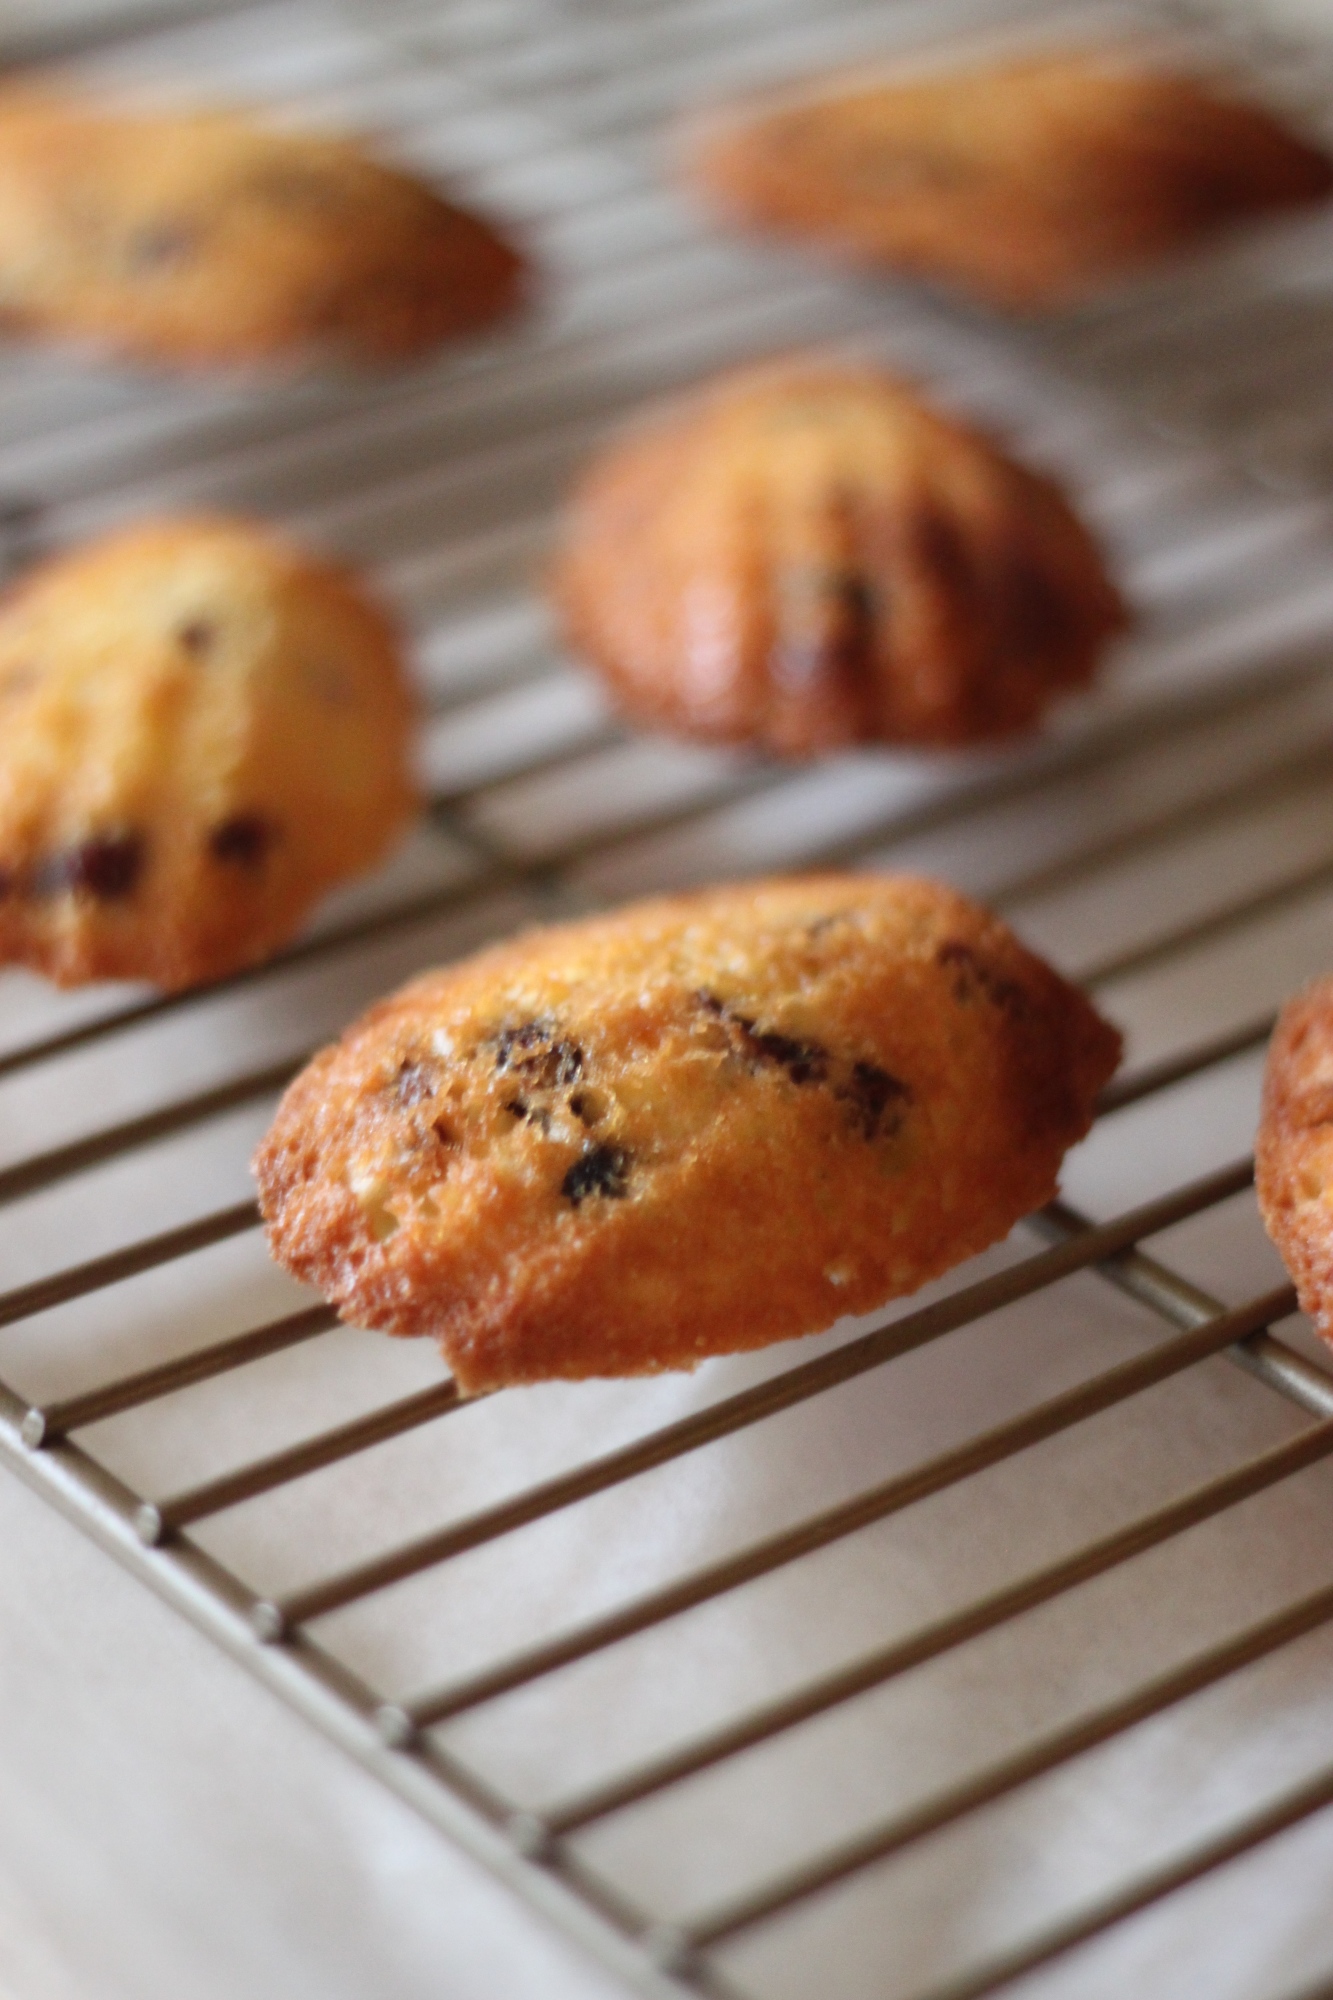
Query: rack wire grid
{"type": "Point", "coordinates": [982, 1638]}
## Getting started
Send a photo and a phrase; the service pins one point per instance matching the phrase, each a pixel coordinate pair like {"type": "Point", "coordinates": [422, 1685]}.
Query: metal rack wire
{"type": "Point", "coordinates": [1171, 836]}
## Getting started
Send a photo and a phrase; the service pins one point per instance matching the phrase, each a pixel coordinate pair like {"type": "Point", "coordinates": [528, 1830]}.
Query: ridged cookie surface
{"type": "Point", "coordinates": [700, 1125]}
{"type": "Point", "coordinates": [207, 238]}
{"type": "Point", "coordinates": [805, 556]}
{"type": "Point", "coordinates": [201, 729]}
{"type": "Point", "coordinates": [1293, 1159]}
{"type": "Point", "coordinates": [1029, 184]}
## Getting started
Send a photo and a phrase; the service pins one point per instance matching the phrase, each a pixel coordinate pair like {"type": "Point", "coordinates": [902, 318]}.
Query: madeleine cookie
{"type": "Point", "coordinates": [703, 1124]}
{"type": "Point", "coordinates": [206, 238]}
{"type": "Point", "coordinates": [805, 556]}
{"type": "Point", "coordinates": [1029, 184]}
{"type": "Point", "coordinates": [201, 729]}
{"type": "Point", "coordinates": [1293, 1157]}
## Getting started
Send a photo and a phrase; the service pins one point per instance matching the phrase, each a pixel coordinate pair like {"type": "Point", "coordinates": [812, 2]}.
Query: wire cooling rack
{"type": "Point", "coordinates": [814, 1668]}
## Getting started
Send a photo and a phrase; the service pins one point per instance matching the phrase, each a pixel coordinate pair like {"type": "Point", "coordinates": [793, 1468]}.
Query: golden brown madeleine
{"type": "Point", "coordinates": [201, 729]}
{"type": "Point", "coordinates": [700, 1125]}
{"type": "Point", "coordinates": [206, 238]}
{"type": "Point", "coordinates": [805, 556]}
{"type": "Point", "coordinates": [1294, 1152]}
{"type": "Point", "coordinates": [1029, 183]}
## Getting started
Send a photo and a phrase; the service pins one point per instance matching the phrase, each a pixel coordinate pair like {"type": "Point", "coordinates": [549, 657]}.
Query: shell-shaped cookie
{"type": "Point", "coordinates": [201, 729]}
{"type": "Point", "coordinates": [1029, 184]}
{"type": "Point", "coordinates": [699, 1125]}
{"type": "Point", "coordinates": [209, 239]}
{"type": "Point", "coordinates": [805, 556]}
{"type": "Point", "coordinates": [1293, 1162]}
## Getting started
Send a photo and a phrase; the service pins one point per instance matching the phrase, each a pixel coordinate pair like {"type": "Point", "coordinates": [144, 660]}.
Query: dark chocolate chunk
{"type": "Point", "coordinates": [244, 839]}
{"type": "Point", "coordinates": [600, 1170]}
{"type": "Point", "coordinates": [585, 1108]}
{"type": "Point", "coordinates": [107, 866]}
{"type": "Point", "coordinates": [511, 1044]}
{"type": "Point", "coordinates": [538, 1054]}
{"type": "Point", "coordinates": [875, 1100]}
{"type": "Point", "coordinates": [973, 975]}
{"type": "Point", "coordinates": [197, 637]}
{"type": "Point", "coordinates": [804, 1062]}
